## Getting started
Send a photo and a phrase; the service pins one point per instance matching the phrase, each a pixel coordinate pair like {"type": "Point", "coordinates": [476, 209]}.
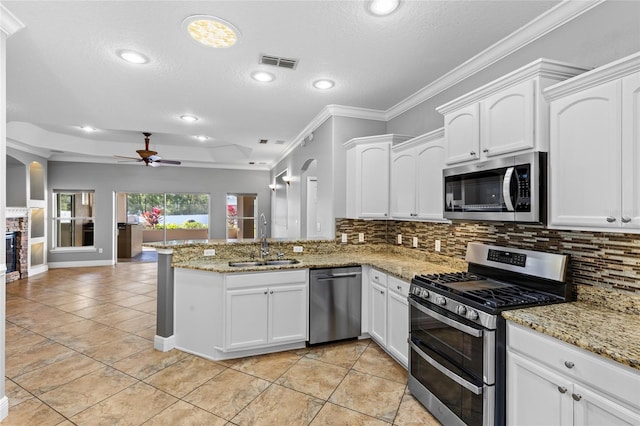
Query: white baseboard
{"type": "Point", "coordinates": [35, 270]}
{"type": "Point", "coordinates": [164, 344]}
{"type": "Point", "coordinates": [4, 408]}
{"type": "Point", "coordinates": [80, 264]}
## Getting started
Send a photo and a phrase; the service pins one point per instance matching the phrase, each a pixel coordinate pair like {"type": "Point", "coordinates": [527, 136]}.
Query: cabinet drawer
{"type": "Point", "coordinates": [399, 286]}
{"type": "Point", "coordinates": [378, 277]}
{"type": "Point", "coordinates": [607, 376]}
{"type": "Point", "coordinates": [256, 279]}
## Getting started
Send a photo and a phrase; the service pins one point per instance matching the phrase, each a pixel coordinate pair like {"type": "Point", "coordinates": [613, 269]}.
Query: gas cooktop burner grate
{"type": "Point", "coordinates": [450, 277]}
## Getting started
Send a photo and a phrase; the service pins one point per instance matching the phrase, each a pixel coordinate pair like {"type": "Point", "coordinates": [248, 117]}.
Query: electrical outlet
{"type": "Point", "coordinates": [343, 237]}
{"type": "Point", "coordinates": [361, 237]}
{"type": "Point", "coordinates": [437, 248]}
{"type": "Point", "coordinates": [399, 238]}
{"type": "Point", "coordinates": [209, 252]}
{"type": "Point", "coordinates": [100, 250]}
{"type": "Point", "coordinates": [298, 249]}
{"type": "Point", "coordinates": [318, 227]}
{"type": "Point", "coordinates": [415, 242]}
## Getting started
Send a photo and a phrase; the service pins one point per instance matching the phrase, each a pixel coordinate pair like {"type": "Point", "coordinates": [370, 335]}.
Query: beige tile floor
{"type": "Point", "coordinates": [79, 350]}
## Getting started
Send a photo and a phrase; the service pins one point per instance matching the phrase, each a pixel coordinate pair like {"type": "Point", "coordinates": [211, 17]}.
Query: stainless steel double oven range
{"type": "Point", "coordinates": [457, 336]}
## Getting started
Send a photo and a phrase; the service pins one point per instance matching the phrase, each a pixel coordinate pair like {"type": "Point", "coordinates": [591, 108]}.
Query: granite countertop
{"type": "Point", "coordinates": [602, 321]}
{"type": "Point", "coordinates": [392, 263]}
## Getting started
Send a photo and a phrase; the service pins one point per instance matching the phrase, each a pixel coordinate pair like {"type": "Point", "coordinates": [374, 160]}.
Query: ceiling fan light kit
{"type": "Point", "coordinates": [150, 157]}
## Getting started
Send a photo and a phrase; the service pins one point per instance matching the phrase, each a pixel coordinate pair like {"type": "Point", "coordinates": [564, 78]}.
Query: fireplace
{"type": "Point", "coordinates": [11, 244]}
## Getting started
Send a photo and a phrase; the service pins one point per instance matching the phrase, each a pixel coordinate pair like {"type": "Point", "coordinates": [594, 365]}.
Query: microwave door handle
{"type": "Point", "coordinates": [506, 188]}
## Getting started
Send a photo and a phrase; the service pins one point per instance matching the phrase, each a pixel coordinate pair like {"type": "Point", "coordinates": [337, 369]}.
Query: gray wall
{"type": "Point", "coordinates": [108, 179]}
{"type": "Point", "coordinates": [607, 32]}
{"type": "Point", "coordinates": [326, 148]}
{"type": "Point", "coordinates": [17, 183]}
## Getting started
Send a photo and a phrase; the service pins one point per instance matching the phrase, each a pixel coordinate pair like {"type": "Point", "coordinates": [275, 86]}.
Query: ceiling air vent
{"type": "Point", "coordinates": [279, 62]}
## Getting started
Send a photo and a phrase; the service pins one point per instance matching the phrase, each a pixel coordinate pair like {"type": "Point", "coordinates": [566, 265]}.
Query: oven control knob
{"type": "Point", "coordinates": [472, 315]}
{"type": "Point", "coordinates": [461, 310]}
{"type": "Point", "coordinates": [424, 294]}
{"type": "Point", "coordinates": [441, 301]}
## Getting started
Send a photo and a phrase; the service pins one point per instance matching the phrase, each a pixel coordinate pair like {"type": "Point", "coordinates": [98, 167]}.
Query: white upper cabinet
{"type": "Point", "coordinates": [416, 177]}
{"type": "Point", "coordinates": [594, 148]}
{"type": "Point", "coordinates": [505, 116]}
{"type": "Point", "coordinates": [368, 175]}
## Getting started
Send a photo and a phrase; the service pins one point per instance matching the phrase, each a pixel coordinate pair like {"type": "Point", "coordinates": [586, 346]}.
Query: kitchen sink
{"type": "Point", "coordinates": [273, 262]}
{"type": "Point", "coordinates": [246, 263]}
{"type": "Point", "coordinates": [282, 262]}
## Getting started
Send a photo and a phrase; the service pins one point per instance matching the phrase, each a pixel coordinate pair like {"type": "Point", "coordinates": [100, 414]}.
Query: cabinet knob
{"type": "Point", "coordinates": [381, 291]}
{"type": "Point", "coordinates": [562, 389]}
{"type": "Point", "coordinates": [611, 219]}
{"type": "Point", "coordinates": [472, 153]}
{"type": "Point", "coordinates": [576, 397]}
{"type": "Point", "coordinates": [385, 215]}
{"type": "Point", "coordinates": [271, 292]}
{"type": "Point", "coordinates": [399, 288]}
{"type": "Point", "coordinates": [626, 219]}
{"type": "Point", "coordinates": [569, 364]}
{"type": "Point", "coordinates": [265, 292]}
{"type": "Point", "coordinates": [485, 150]}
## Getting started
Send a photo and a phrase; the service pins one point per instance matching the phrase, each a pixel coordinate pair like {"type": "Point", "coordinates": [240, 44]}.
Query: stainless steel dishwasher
{"type": "Point", "coordinates": [335, 304]}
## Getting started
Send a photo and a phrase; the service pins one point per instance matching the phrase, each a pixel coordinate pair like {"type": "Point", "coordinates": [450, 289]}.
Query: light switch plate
{"type": "Point", "coordinates": [298, 249]}
{"type": "Point", "coordinates": [361, 237]}
{"type": "Point", "coordinates": [209, 252]}
{"type": "Point", "coordinates": [415, 242]}
{"type": "Point", "coordinates": [399, 238]}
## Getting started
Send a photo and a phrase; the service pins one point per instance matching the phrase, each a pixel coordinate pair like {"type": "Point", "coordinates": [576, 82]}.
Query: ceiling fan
{"type": "Point", "coordinates": [149, 157]}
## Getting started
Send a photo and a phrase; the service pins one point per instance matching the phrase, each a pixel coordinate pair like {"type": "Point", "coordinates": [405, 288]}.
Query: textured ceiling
{"type": "Point", "coordinates": [63, 70]}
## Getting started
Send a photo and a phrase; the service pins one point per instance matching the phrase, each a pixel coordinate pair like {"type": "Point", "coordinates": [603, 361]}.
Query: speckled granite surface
{"type": "Point", "coordinates": [602, 321]}
{"type": "Point", "coordinates": [402, 263]}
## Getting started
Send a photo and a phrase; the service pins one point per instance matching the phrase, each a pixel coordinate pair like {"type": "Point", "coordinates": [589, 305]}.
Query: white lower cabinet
{"type": "Point", "coordinates": [389, 314]}
{"type": "Point", "coordinates": [222, 316]}
{"type": "Point", "coordinates": [552, 383]}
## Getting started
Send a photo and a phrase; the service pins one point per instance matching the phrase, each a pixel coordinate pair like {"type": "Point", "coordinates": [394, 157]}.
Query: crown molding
{"type": "Point", "coordinates": [391, 138]}
{"type": "Point", "coordinates": [418, 140]}
{"type": "Point", "coordinates": [612, 71]}
{"type": "Point", "coordinates": [9, 24]}
{"type": "Point", "coordinates": [325, 113]}
{"type": "Point", "coordinates": [540, 26]}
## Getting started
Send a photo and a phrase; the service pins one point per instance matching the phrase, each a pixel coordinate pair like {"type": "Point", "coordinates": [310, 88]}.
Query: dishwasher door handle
{"type": "Point", "coordinates": [334, 276]}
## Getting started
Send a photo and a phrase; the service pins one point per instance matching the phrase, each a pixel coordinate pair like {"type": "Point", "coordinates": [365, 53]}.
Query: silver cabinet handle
{"type": "Point", "coordinates": [399, 288]}
{"type": "Point", "coordinates": [472, 153]}
{"type": "Point", "coordinates": [485, 150]}
{"type": "Point", "coordinates": [576, 397]}
{"type": "Point", "coordinates": [626, 219]}
{"type": "Point", "coordinates": [611, 219]}
{"type": "Point", "coordinates": [381, 291]}
{"type": "Point", "coordinates": [271, 292]}
{"type": "Point", "coordinates": [562, 389]}
{"type": "Point", "coordinates": [265, 292]}
{"type": "Point", "coordinates": [569, 364]}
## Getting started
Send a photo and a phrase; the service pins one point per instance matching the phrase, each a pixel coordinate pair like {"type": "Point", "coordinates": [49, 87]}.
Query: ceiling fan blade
{"type": "Point", "coordinates": [170, 162]}
{"type": "Point", "coordinates": [154, 158]}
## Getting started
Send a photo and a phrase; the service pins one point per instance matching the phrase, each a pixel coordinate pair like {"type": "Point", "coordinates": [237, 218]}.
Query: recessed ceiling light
{"type": "Point", "coordinates": [133, 57]}
{"type": "Point", "coordinates": [202, 138]}
{"type": "Point", "coordinates": [323, 84]}
{"type": "Point", "coordinates": [383, 7]}
{"type": "Point", "coordinates": [211, 31]}
{"type": "Point", "coordinates": [88, 129]}
{"type": "Point", "coordinates": [189, 118]}
{"type": "Point", "coordinates": [263, 76]}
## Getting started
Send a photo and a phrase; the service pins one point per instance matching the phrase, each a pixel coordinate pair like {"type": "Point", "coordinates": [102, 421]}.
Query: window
{"type": "Point", "coordinates": [73, 222]}
{"type": "Point", "coordinates": [241, 216]}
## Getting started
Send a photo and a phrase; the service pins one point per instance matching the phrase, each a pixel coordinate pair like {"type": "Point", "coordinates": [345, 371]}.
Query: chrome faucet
{"type": "Point", "coordinates": [264, 245]}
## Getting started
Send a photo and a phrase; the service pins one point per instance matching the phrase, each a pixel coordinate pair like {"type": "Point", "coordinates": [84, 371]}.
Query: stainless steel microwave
{"type": "Point", "coordinates": [507, 189]}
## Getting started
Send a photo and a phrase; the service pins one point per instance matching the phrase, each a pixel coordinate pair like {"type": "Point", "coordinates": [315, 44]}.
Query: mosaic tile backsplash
{"type": "Point", "coordinates": [602, 259]}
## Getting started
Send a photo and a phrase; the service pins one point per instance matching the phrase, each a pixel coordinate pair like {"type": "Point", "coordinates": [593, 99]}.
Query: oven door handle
{"type": "Point", "coordinates": [458, 326]}
{"type": "Point", "coordinates": [459, 380]}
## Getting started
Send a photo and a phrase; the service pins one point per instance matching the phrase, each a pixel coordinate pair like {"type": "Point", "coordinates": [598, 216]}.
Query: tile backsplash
{"type": "Point", "coordinates": [602, 259]}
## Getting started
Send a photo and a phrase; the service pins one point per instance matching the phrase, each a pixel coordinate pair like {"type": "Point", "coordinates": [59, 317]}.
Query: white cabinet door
{"type": "Point", "coordinates": [288, 313]}
{"type": "Point", "coordinates": [403, 184]}
{"type": "Point", "coordinates": [246, 318]}
{"type": "Point", "coordinates": [592, 409]}
{"type": "Point", "coordinates": [372, 180]}
{"type": "Point", "coordinates": [378, 326]}
{"type": "Point", "coordinates": [585, 158]}
{"type": "Point", "coordinates": [430, 160]}
{"type": "Point", "coordinates": [398, 320]}
{"type": "Point", "coordinates": [462, 133]}
{"type": "Point", "coordinates": [535, 395]}
{"type": "Point", "coordinates": [631, 151]}
{"type": "Point", "coordinates": [508, 120]}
